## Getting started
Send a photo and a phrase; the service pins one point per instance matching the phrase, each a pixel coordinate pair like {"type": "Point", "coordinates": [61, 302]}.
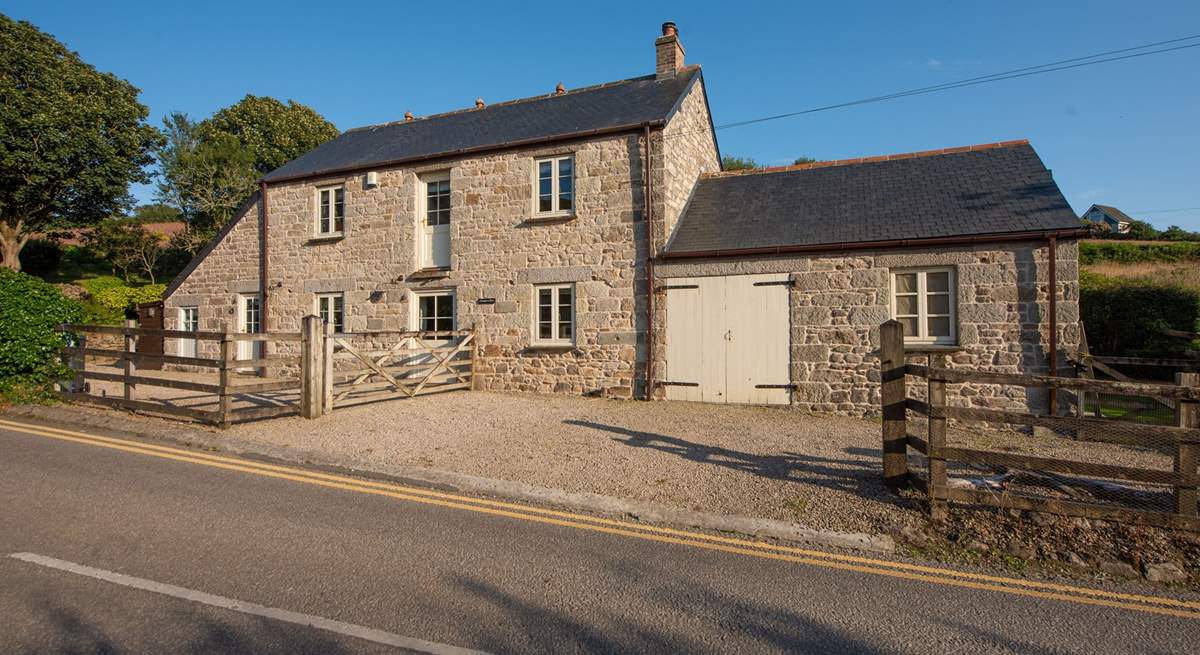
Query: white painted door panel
{"type": "Point", "coordinates": [728, 336]}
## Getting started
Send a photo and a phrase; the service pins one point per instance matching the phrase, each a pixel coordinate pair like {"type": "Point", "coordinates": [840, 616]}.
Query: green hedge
{"type": "Point", "coordinates": [1126, 317]}
{"type": "Point", "coordinates": [1133, 253]}
{"type": "Point", "coordinates": [29, 310]}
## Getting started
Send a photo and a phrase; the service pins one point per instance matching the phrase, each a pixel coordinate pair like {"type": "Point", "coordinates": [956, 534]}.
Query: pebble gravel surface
{"type": "Point", "coordinates": [821, 472]}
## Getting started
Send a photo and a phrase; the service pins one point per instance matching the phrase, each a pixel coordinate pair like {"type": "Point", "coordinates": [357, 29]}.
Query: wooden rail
{"type": "Point", "coordinates": [1183, 439]}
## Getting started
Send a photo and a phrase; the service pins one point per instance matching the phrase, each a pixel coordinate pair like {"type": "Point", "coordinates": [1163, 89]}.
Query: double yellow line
{"type": "Point", "coordinates": [745, 547]}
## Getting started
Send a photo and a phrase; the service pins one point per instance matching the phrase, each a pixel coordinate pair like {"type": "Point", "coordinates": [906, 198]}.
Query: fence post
{"type": "Point", "coordinates": [129, 368]}
{"type": "Point", "coordinates": [311, 358]}
{"type": "Point", "coordinates": [327, 369]}
{"type": "Point", "coordinates": [227, 354]}
{"type": "Point", "coordinates": [892, 397]}
{"type": "Point", "coordinates": [1187, 455]}
{"type": "Point", "coordinates": [80, 365]}
{"type": "Point", "coordinates": [937, 439]}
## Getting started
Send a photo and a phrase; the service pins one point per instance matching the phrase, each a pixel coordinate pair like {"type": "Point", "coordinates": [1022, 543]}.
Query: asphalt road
{"type": "Point", "coordinates": [159, 541]}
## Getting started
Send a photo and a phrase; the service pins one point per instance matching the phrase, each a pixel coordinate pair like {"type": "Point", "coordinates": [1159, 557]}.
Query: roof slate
{"type": "Point", "coordinates": [607, 106]}
{"type": "Point", "coordinates": [996, 189]}
{"type": "Point", "coordinates": [1114, 213]}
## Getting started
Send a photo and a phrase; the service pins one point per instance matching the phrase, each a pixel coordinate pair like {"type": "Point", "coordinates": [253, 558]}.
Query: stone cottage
{"type": "Point", "coordinates": [592, 242]}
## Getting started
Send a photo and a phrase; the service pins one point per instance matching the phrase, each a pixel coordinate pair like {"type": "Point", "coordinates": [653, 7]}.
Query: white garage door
{"type": "Point", "coordinates": [728, 339]}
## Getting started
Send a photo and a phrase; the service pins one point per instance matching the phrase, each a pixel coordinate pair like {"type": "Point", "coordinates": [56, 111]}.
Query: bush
{"type": "Point", "coordinates": [29, 311]}
{"type": "Point", "coordinates": [121, 297]}
{"type": "Point", "coordinates": [41, 257]}
{"type": "Point", "coordinates": [1134, 253]}
{"type": "Point", "coordinates": [1127, 317]}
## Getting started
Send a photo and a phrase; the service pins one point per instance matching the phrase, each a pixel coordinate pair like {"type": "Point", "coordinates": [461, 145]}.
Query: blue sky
{"type": "Point", "coordinates": [1124, 133]}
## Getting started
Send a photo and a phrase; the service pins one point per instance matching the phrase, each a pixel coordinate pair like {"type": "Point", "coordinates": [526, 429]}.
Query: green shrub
{"type": "Point", "coordinates": [1126, 317]}
{"type": "Point", "coordinates": [41, 257]}
{"type": "Point", "coordinates": [29, 311]}
{"type": "Point", "coordinates": [120, 297]}
{"type": "Point", "coordinates": [1134, 253]}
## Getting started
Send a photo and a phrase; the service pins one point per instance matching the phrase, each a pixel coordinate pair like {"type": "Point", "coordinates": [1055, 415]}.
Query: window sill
{"type": "Point", "coordinates": [429, 274]}
{"type": "Point", "coordinates": [551, 347]}
{"type": "Point", "coordinates": [933, 347]}
{"type": "Point", "coordinates": [551, 218]}
{"type": "Point", "coordinates": [325, 238]}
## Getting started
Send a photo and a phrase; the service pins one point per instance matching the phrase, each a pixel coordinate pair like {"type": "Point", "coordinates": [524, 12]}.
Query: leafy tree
{"type": "Point", "coordinates": [732, 163]}
{"type": "Point", "coordinates": [1176, 233]}
{"type": "Point", "coordinates": [274, 133]}
{"type": "Point", "coordinates": [803, 159]}
{"type": "Point", "coordinates": [208, 169]}
{"type": "Point", "coordinates": [155, 213]}
{"type": "Point", "coordinates": [128, 246]}
{"type": "Point", "coordinates": [41, 257]}
{"type": "Point", "coordinates": [71, 138]}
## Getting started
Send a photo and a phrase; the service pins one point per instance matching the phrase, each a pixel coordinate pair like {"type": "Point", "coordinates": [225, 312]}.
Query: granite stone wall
{"type": "Point", "coordinates": [838, 302]}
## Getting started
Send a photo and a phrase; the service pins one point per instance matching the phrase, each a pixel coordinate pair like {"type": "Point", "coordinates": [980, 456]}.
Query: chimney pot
{"type": "Point", "coordinates": [668, 52]}
{"type": "Point", "coordinates": [408, 116]}
{"type": "Point", "coordinates": [479, 103]}
{"type": "Point", "coordinates": [560, 89]}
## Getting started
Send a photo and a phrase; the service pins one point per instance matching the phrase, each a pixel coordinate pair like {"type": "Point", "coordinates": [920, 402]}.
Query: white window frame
{"type": "Point", "coordinates": [424, 233]}
{"type": "Point", "coordinates": [338, 295]}
{"type": "Point", "coordinates": [189, 347]}
{"type": "Point", "coordinates": [414, 323]}
{"type": "Point", "coordinates": [554, 315]}
{"type": "Point", "coordinates": [922, 294]}
{"type": "Point", "coordinates": [555, 198]}
{"type": "Point", "coordinates": [333, 215]}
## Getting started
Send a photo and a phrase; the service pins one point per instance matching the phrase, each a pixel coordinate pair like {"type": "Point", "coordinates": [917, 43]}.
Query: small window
{"type": "Point", "coordinates": [330, 307]}
{"type": "Point", "coordinates": [555, 186]}
{"type": "Point", "coordinates": [435, 312]}
{"type": "Point", "coordinates": [923, 300]}
{"type": "Point", "coordinates": [554, 322]}
{"type": "Point", "coordinates": [331, 211]}
{"type": "Point", "coordinates": [437, 202]}
{"type": "Point", "coordinates": [189, 321]}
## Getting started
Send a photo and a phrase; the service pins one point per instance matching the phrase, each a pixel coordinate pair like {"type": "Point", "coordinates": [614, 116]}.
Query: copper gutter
{"type": "Point", "coordinates": [873, 245]}
{"type": "Point", "coordinates": [648, 175]}
{"type": "Point", "coordinates": [263, 270]}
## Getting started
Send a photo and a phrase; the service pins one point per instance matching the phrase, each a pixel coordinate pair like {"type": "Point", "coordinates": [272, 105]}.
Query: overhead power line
{"type": "Point", "coordinates": [1049, 67]}
{"type": "Point", "coordinates": [1166, 211]}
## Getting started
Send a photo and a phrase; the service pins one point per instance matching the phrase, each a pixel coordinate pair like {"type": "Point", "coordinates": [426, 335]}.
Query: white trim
{"type": "Point", "coordinates": [414, 317]}
{"type": "Point", "coordinates": [188, 347]}
{"type": "Point", "coordinates": [922, 295]}
{"type": "Point", "coordinates": [338, 295]}
{"type": "Point", "coordinates": [555, 323]}
{"type": "Point", "coordinates": [333, 217]}
{"type": "Point", "coordinates": [427, 233]}
{"type": "Point", "coordinates": [555, 181]}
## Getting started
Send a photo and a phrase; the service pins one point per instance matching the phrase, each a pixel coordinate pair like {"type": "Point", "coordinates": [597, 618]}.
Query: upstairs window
{"type": "Point", "coordinates": [434, 252]}
{"type": "Point", "coordinates": [330, 307]}
{"type": "Point", "coordinates": [923, 300]}
{"type": "Point", "coordinates": [554, 323]}
{"type": "Point", "coordinates": [555, 186]}
{"type": "Point", "coordinates": [331, 211]}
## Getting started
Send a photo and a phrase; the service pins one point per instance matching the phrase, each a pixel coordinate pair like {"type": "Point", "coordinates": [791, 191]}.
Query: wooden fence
{"type": "Point", "coordinates": [311, 383]}
{"type": "Point", "coordinates": [1118, 503]}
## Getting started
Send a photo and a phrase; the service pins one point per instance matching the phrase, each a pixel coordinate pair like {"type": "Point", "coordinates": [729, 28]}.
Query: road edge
{"type": "Point", "coordinates": [645, 511]}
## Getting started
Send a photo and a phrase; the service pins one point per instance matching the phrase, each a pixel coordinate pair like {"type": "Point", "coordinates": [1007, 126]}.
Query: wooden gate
{"type": "Point", "coordinates": [370, 366]}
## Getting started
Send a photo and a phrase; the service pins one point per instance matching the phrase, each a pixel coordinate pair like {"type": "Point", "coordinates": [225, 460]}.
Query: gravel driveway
{"type": "Point", "coordinates": [778, 463]}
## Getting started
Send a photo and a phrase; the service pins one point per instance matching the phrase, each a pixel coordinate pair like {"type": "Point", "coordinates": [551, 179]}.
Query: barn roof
{"type": "Point", "coordinates": [990, 189]}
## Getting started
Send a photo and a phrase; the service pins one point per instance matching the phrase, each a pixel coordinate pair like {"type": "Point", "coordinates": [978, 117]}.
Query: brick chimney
{"type": "Point", "coordinates": [668, 52]}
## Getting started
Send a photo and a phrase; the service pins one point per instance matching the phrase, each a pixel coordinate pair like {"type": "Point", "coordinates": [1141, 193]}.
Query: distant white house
{"type": "Point", "coordinates": [1116, 220]}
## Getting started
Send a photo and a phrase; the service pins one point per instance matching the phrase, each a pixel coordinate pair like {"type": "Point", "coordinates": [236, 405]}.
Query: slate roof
{"type": "Point", "coordinates": [627, 103]}
{"type": "Point", "coordinates": [1113, 212]}
{"type": "Point", "coordinates": [976, 190]}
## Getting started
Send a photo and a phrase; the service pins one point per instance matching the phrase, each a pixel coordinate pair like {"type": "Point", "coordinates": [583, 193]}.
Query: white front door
{"type": "Point", "coordinates": [249, 322]}
{"type": "Point", "coordinates": [189, 321]}
{"type": "Point", "coordinates": [435, 223]}
{"type": "Point", "coordinates": [728, 339]}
